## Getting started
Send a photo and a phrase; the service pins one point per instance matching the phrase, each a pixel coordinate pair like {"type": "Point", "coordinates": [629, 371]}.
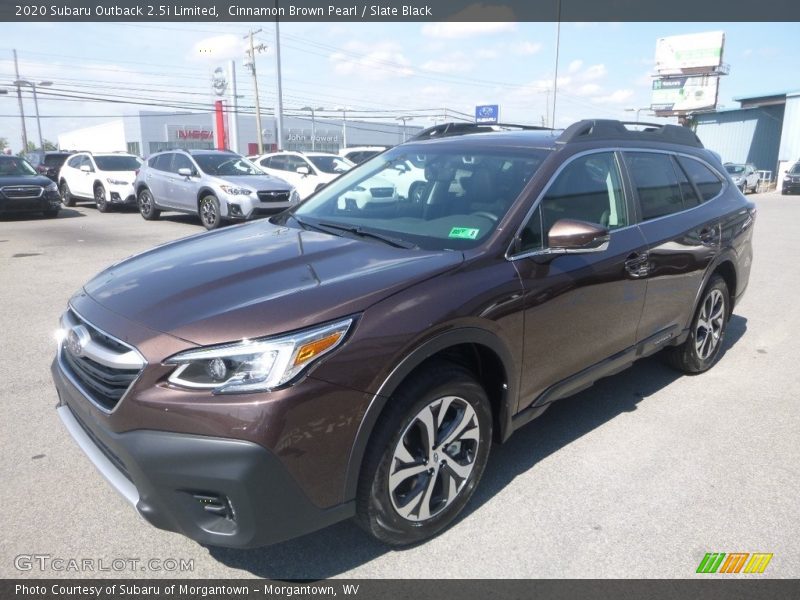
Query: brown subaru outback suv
{"type": "Point", "coordinates": [359, 359]}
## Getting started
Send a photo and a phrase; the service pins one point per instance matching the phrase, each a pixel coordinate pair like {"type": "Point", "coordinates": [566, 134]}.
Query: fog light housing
{"type": "Point", "coordinates": [236, 210]}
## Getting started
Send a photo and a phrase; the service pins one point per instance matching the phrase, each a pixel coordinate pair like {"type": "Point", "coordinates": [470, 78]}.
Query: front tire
{"type": "Point", "coordinates": [702, 348]}
{"type": "Point", "coordinates": [209, 212]}
{"type": "Point", "coordinates": [100, 199]}
{"type": "Point", "coordinates": [66, 196]}
{"type": "Point", "coordinates": [425, 457]}
{"type": "Point", "coordinates": [147, 206]}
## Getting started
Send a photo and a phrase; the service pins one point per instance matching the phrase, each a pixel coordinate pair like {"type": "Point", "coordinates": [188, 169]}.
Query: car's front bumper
{"type": "Point", "coordinates": [790, 187]}
{"type": "Point", "coordinates": [217, 491]}
{"type": "Point", "coordinates": [120, 194]}
{"type": "Point", "coordinates": [45, 202]}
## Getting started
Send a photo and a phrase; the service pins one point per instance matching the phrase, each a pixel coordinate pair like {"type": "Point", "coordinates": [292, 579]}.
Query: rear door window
{"type": "Point", "coordinates": [656, 184]}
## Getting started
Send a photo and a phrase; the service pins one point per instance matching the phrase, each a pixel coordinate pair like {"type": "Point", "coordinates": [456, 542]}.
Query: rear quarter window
{"type": "Point", "coordinates": [708, 183]}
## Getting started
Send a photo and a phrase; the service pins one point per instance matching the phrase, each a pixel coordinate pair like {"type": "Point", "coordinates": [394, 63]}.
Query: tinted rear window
{"type": "Point", "coordinates": [704, 178]}
{"type": "Point", "coordinates": [656, 182]}
{"type": "Point", "coordinates": [55, 160]}
{"type": "Point", "coordinates": [117, 163]}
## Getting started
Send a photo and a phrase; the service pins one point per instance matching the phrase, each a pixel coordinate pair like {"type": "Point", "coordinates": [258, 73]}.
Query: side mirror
{"type": "Point", "coordinates": [303, 170]}
{"type": "Point", "coordinates": [86, 168]}
{"type": "Point", "coordinates": [570, 236]}
{"type": "Point", "coordinates": [185, 172]}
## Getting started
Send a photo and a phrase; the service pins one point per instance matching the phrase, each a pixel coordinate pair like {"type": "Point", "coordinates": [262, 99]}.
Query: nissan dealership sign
{"type": "Point", "coordinates": [180, 133]}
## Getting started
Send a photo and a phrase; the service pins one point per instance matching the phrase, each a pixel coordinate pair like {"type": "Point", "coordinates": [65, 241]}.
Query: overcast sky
{"type": "Point", "coordinates": [388, 68]}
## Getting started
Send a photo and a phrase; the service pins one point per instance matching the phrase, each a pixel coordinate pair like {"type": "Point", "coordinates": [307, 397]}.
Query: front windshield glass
{"type": "Point", "coordinates": [435, 198]}
{"type": "Point", "coordinates": [795, 170]}
{"type": "Point", "coordinates": [117, 163]}
{"type": "Point", "coordinates": [331, 164]}
{"type": "Point", "coordinates": [226, 165]}
{"type": "Point", "coordinates": [734, 169]}
{"type": "Point", "coordinates": [11, 166]}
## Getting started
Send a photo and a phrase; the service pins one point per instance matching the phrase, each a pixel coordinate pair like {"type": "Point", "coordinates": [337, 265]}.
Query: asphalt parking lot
{"type": "Point", "coordinates": [639, 476]}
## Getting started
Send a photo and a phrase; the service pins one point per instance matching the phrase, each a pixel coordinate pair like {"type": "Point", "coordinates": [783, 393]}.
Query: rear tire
{"type": "Point", "coordinates": [147, 206]}
{"type": "Point", "coordinates": [66, 196]}
{"type": "Point", "coordinates": [702, 348]}
{"type": "Point", "coordinates": [208, 208]}
{"type": "Point", "coordinates": [409, 491]}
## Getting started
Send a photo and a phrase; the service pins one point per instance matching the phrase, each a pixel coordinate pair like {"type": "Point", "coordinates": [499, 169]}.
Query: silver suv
{"type": "Point", "coordinates": [216, 185]}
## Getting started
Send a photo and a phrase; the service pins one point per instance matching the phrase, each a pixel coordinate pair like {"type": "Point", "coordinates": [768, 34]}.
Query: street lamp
{"type": "Point", "coordinates": [21, 82]}
{"type": "Point", "coordinates": [313, 125]}
{"type": "Point", "coordinates": [404, 118]}
{"type": "Point", "coordinates": [637, 111]}
{"type": "Point", "coordinates": [344, 110]}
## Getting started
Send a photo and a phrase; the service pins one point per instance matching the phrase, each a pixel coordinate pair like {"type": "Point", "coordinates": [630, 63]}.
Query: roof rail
{"type": "Point", "coordinates": [462, 128]}
{"type": "Point", "coordinates": [609, 129]}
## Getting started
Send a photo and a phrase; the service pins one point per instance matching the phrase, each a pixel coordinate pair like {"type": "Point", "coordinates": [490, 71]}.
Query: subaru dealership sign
{"type": "Point", "coordinates": [487, 114]}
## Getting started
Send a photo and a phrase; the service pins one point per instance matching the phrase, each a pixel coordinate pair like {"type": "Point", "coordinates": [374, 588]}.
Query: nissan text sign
{"type": "Point", "coordinates": [487, 114]}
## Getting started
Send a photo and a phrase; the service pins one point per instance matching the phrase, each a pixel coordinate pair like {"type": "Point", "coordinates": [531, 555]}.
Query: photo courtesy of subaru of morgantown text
{"type": "Point", "coordinates": [360, 353]}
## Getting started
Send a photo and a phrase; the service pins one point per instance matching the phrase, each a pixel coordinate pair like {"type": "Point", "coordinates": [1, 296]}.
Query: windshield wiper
{"type": "Point", "coordinates": [359, 231]}
{"type": "Point", "coordinates": [306, 224]}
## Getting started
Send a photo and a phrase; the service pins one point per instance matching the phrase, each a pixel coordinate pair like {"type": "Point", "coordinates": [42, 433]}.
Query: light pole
{"type": "Point", "coordinates": [252, 64]}
{"type": "Point", "coordinates": [344, 110]}
{"type": "Point", "coordinates": [404, 118]}
{"type": "Point", "coordinates": [20, 82]}
{"type": "Point", "coordinates": [313, 126]}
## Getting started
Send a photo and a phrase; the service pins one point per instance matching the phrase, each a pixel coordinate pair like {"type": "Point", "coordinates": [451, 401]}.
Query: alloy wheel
{"type": "Point", "coordinates": [208, 212]}
{"type": "Point", "coordinates": [434, 458]}
{"type": "Point", "coordinates": [710, 321]}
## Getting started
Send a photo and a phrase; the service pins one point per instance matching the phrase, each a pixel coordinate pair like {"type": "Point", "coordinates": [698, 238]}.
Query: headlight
{"type": "Point", "coordinates": [116, 181]}
{"type": "Point", "coordinates": [255, 365]}
{"type": "Point", "coordinates": [52, 187]}
{"type": "Point", "coordinates": [235, 191]}
{"type": "Point", "coordinates": [294, 197]}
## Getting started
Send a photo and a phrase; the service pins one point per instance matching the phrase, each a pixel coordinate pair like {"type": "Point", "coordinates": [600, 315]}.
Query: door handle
{"type": "Point", "coordinates": [637, 264]}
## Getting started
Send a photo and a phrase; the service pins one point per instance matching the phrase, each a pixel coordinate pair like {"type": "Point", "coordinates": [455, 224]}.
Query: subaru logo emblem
{"type": "Point", "coordinates": [78, 338]}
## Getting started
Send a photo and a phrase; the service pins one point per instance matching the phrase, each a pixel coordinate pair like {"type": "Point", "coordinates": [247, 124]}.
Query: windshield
{"type": "Point", "coordinates": [331, 164]}
{"type": "Point", "coordinates": [795, 170]}
{"type": "Point", "coordinates": [734, 169]}
{"type": "Point", "coordinates": [434, 198]}
{"type": "Point", "coordinates": [117, 163]}
{"type": "Point", "coordinates": [11, 166]}
{"type": "Point", "coordinates": [226, 165]}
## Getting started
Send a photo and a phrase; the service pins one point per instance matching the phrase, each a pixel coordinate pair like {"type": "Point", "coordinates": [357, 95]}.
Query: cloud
{"type": "Point", "coordinates": [575, 66]}
{"type": "Point", "coordinates": [455, 62]}
{"type": "Point", "coordinates": [487, 53]}
{"type": "Point", "coordinates": [616, 97]}
{"type": "Point", "coordinates": [527, 48]}
{"type": "Point", "coordinates": [587, 89]}
{"type": "Point", "coordinates": [452, 30]}
{"type": "Point", "coordinates": [371, 61]}
{"type": "Point", "coordinates": [594, 72]}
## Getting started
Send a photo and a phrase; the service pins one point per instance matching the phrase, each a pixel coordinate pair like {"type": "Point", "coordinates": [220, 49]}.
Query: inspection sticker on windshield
{"type": "Point", "coordinates": [464, 233]}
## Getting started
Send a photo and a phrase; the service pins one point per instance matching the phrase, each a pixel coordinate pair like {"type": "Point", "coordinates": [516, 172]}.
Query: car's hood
{"type": "Point", "coordinates": [258, 279]}
{"type": "Point", "coordinates": [24, 180]}
{"type": "Point", "coordinates": [257, 182]}
{"type": "Point", "coordinates": [128, 176]}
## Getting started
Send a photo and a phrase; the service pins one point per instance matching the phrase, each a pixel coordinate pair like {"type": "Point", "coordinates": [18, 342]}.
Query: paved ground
{"type": "Point", "coordinates": [637, 477]}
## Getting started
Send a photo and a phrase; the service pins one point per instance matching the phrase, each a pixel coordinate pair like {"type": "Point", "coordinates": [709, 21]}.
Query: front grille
{"type": "Point", "coordinates": [19, 192]}
{"type": "Point", "coordinates": [274, 196]}
{"type": "Point", "coordinates": [381, 192]}
{"type": "Point", "coordinates": [105, 367]}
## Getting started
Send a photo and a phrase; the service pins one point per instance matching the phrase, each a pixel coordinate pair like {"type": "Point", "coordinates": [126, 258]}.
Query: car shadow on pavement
{"type": "Point", "coordinates": [344, 546]}
{"type": "Point", "coordinates": [64, 213]}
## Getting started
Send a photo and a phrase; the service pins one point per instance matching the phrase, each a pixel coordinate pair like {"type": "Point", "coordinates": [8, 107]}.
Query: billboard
{"type": "Point", "coordinates": [697, 51]}
{"type": "Point", "coordinates": [680, 94]}
{"type": "Point", "coordinates": [487, 114]}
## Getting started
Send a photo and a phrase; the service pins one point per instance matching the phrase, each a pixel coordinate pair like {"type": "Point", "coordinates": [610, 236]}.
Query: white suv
{"type": "Point", "coordinates": [106, 179]}
{"type": "Point", "coordinates": [307, 172]}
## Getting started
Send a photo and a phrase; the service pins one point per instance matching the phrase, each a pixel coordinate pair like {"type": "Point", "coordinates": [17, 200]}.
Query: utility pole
{"type": "Point", "coordinates": [555, 75]}
{"type": "Point", "coordinates": [252, 54]}
{"type": "Point", "coordinates": [234, 102]}
{"type": "Point", "coordinates": [404, 118]}
{"type": "Point", "coordinates": [21, 109]}
{"type": "Point", "coordinates": [279, 116]}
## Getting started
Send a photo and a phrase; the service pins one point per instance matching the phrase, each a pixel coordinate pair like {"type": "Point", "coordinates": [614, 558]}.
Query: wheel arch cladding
{"type": "Point", "coordinates": [727, 271]}
{"type": "Point", "coordinates": [478, 350]}
{"type": "Point", "coordinates": [202, 193]}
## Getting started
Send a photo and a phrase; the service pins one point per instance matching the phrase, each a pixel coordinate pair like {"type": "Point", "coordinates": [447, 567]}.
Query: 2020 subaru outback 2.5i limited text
{"type": "Point", "coordinates": [338, 360]}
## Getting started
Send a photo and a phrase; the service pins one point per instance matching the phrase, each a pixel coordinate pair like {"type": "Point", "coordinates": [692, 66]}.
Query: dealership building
{"type": "Point", "coordinates": [151, 131]}
{"type": "Point", "coordinates": [764, 131]}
